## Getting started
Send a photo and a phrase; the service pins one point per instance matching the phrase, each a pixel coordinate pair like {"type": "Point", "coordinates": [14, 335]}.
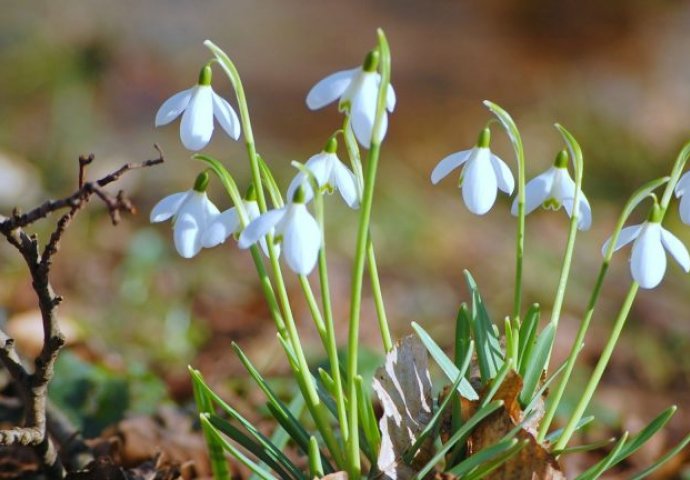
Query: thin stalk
{"type": "Point", "coordinates": [313, 307]}
{"type": "Point", "coordinates": [315, 406]}
{"type": "Point", "coordinates": [354, 468]}
{"type": "Point", "coordinates": [378, 298]}
{"type": "Point", "coordinates": [331, 344]}
{"type": "Point", "coordinates": [599, 369]}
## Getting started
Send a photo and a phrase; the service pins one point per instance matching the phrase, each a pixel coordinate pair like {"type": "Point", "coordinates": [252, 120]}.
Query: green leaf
{"type": "Point", "coordinates": [447, 366]}
{"type": "Point", "coordinates": [584, 448]}
{"type": "Point", "coordinates": [459, 436]}
{"type": "Point", "coordinates": [536, 364]}
{"type": "Point", "coordinates": [489, 354]}
{"type": "Point", "coordinates": [481, 457]}
{"type": "Point", "coordinates": [544, 386]}
{"type": "Point", "coordinates": [315, 466]}
{"type": "Point", "coordinates": [367, 417]}
{"type": "Point", "coordinates": [436, 419]}
{"type": "Point", "coordinates": [645, 434]}
{"type": "Point", "coordinates": [259, 439]}
{"type": "Point", "coordinates": [270, 183]}
{"type": "Point", "coordinates": [605, 463]}
{"type": "Point", "coordinates": [219, 465]}
{"type": "Point", "coordinates": [463, 334]}
{"type": "Point", "coordinates": [665, 458]}
{"type": "Point", "coordinates": [264, 450]}
{"type": "Point", "coordinates": [556, 434]}
{"type": "Point", "coordinates": [235, 452]}
{"type": "Point", "coordinates": [528, 333]}
{"type": "Point", "coordinates": [483, 470]}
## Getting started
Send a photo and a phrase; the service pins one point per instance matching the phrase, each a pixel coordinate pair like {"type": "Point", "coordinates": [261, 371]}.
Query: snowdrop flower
{"type": "Point", "coordinates": [357, 90]}
{"type": "Point", "coordinates": [682, 189]}
{"type": "Point", "coordinates": [191, 213]}
{"type": "Point", "coordinates": [294, 227]}
{"type": "Point", "coordinates": [648, 260]}
{"type": "Point", "coordinates": [554, 188]}
{"type": "Point", "coordinates": [330, 173]}
{"type": "Point", "coordinates": [228, 223]}
{"type": "Point", "coordinates": [199, 104]}
{"type": "Point", "coordinates": [483, 175]}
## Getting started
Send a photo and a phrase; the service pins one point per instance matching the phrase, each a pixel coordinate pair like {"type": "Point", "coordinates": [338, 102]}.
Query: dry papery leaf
{"type": "Point", "coordinates": [533, 461]}
{"type": "Point", "coordinates": [403, 386]}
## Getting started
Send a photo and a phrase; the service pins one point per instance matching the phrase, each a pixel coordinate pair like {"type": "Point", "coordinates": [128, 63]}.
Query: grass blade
{"type": "Point", "coordinates": [528, 333]}
{"type": "Point", "coordinates": [446, 364]}
{"type": "Point", "coordinates": [605, 463]}
{"type": "Point", "coordinates": [666, 457]}
{"type": "Point", "coordinates": [489, 354]}
{"type": "Point", "coordinates": [536, 364]}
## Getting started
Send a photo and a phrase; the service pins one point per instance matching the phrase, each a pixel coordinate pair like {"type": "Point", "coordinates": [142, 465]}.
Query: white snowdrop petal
{"type": "Point", "coordinates": [226, 116]}
{"type": "Point", "coordinates": [537, 191]}
{"type": "Point", "coordinates": [390, 98]}
{"type": "Point", "coordinates": [186, 233]}
{"type": "Point", "coordinates": [301, 241]}
{"type": "Point", "coordinates": [363, 112]}
{"type": "Point", "coordinates": [684, 209]}
{"type": "Point", "coordinates": [648, 260]}
{"type": "Point", "coordinates": [329, 89]}
{"type": "Point", "coordinates": [297, 180]}
{"type": "Point", "coordinates": [259, 227]}
{"type": "Point", "coordinates": [506, 182]}
{"type": "Point", "coordinates": [448, 164]}
{"type": "Point", "coordinates": [676, 248]}
{"type": "Point", "coordinates": [346, 184]}
{"type": "Point", "coordinates": [197, 121]}
{"type": "Point", "coordinates": [584, 221]}
{"type": "Point", "coordinates": [167, 207]}
{"type": "Point", "coordinates": [683, 185]}
{"type": "Point", "coordinates": [222, 226]}
{"type": "Point", "coordinates": [173, 107]}
{"type": "Point", "coordinates": [320, 166]}
{"type": "Point", "coordinates": [627, 235]}
{"type": "Point", "coordinates": [479, 184]}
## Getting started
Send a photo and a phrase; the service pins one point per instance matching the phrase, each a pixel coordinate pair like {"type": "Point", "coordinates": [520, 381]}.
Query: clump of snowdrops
{"type": "Point", "coordinates": [494, 417]}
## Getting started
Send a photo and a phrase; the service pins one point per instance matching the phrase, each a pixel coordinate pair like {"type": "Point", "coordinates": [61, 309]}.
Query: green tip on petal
{"type": "Point", "coordinates": [561, 159]}
{"type": "Point", "coordinates": [655, 214]}
{"type": "Point", "coordinates": [331, 145]}
{"type": "Point", "coordinates": [298, 196]}
{"type": "Point", "coordinates": [484, 138]}
{"type": "Point", "coordinates": [201, 182]}
{"type": "Point", "coordinates": [371, 61]}
{"type": "Point", "coordinates": [251, 193]}
{"type": "Point", "coordinates": [205, 75]}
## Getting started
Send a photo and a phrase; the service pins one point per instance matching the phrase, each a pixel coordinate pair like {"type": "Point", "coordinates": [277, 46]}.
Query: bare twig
{"type": "Point", "coordinates": [33, 386]}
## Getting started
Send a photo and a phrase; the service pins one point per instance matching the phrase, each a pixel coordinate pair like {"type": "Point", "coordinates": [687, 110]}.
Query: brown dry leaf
{"type": "Point", "coordinates": [532, 462]}
{"type": "Point", "coordinates": [403, 386]}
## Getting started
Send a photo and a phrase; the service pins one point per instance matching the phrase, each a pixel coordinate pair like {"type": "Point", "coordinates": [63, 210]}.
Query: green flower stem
{"type": "Point", "coordinates": [599, 369]}
{"type": "Point", "coordinates": [378, 298]}
{"type": "Point", "coordinates": [516, 140]}
{"type": "Point", "coordinates": [576, 156]}
{"type": "Point", "coordinates": [331, 344]}
{"type": "Point", "coordinates": [307, 386]}
{"type": "Point", "coordinates": [355, 161]}
{"type": "Point", "coordinates": [354, 468]}
{"type": "Point", "coordinates": [640, 195]}
{"type": "Point", "coordinates": [313, 308]}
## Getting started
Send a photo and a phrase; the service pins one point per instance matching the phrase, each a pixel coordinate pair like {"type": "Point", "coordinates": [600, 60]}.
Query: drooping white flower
{"type": "Point", "coordinates": [554, 188]}
{"type": "Point", "coordinates": [330, 174]}
{"type": "Point", "coordinates": [648, 260]}
{"type": "Point", "coordinates": [357, 90]}
{"type": "Point", "coordinates": [228, 223]}
{"type": "Point", "coordinates": [294, 227]}
{"type": "Point", "coordinates": [199, 104]}
{"type": "Point", "coordinates": [482, 176]}
{"type": "Point", "coordinates": [682, 191]}
{"type": "Point", "coordinates": [191, 213]}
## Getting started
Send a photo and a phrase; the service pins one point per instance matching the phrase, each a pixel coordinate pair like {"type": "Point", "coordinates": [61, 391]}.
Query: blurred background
{"type": "Point", "coordinates": [88, 77]}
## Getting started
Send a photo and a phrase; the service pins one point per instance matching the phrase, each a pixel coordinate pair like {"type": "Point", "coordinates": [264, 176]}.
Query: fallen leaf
{"type": "Point", "coordinates": [403, 386]}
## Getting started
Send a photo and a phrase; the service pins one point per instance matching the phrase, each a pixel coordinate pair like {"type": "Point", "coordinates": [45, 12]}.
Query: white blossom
{"type": "Point", "coordinates": [648, 260]}
{"type": "Point", "coordinates": [191, 213]}
{"type": "Point", "coordinates": [331, 174]}
{"type": "Point", "coordinates": [198, 105]}
{"type": "Point", "coordinates": [682, 191]}
{"type": "Point", "coordinates": [482, 176]}
{"type": "Point", "coordinates": [295, 228]}
{"type": "Point", "coordinates": [357, 90]}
